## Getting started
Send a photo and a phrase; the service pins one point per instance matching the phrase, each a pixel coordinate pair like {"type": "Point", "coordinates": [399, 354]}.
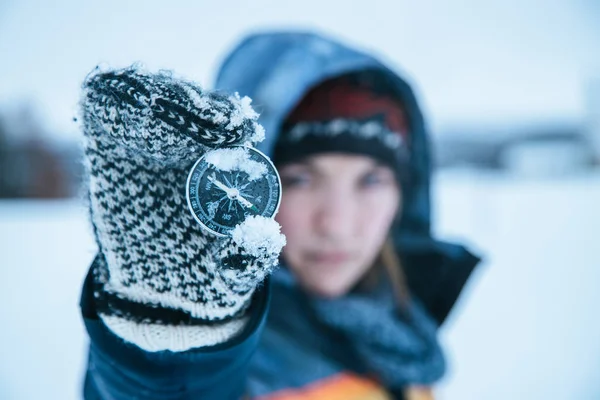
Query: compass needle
{"type": "Point", "coordinates": [244, 186]}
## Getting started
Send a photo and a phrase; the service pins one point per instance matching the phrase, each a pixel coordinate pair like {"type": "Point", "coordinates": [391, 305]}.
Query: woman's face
{"type": "Point", "coordinates": [336, 212]}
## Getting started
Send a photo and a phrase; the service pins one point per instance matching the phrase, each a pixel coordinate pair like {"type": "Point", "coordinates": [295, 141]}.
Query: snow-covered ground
{"type": "Point", "coordinates": [45, 248]}
{"type": "Point", "coordinates": [526, 327]}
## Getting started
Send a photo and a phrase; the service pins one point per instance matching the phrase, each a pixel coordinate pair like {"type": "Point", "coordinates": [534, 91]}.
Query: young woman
{"type": "Point", "coordinates": [348, 310]}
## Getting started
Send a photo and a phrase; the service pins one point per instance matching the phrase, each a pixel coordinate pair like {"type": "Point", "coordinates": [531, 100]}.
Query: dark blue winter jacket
{"type": "Point", "coordinates": [275, 70]}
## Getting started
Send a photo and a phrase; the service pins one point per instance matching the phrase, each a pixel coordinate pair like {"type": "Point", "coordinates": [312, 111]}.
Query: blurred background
{"type": "Point", "coordinates": [511, 90]}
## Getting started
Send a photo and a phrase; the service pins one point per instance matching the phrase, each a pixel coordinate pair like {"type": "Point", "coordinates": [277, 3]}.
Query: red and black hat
{"type": "Point", "coordinates": [345, 116]}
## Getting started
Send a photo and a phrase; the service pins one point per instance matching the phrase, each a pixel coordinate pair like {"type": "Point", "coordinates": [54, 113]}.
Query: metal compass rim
{"type": "Point", "coordinates": [193, 169]}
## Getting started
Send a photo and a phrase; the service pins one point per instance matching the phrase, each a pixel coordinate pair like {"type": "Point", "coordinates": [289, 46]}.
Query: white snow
{"type": "Point", "coordinates": [212, 208]}
{"type": "Point", "coordinates": [236, 158]}
{"type": "Point", "coordinates": [526, 327]}
{"type": "Point", "coordinates": [258, 234]}
{"type": "Point", "coordinates": [244, 111]}
{"type": "Point", "coordinates": [45, 250]}
{"type": "Point", "coordinates": [259, 134]}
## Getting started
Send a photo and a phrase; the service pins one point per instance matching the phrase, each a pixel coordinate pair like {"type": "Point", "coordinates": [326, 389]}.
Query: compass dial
{"type": "Point", "coordinates": [223, 194]}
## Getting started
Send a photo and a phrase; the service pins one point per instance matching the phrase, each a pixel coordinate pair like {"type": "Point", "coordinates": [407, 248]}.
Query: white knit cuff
{"type": "Point", "coordinates": [176, 338]}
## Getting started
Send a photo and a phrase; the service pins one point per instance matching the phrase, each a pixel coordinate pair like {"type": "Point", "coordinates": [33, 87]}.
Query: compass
{"type": "Point", "coordinates": [227, 185]}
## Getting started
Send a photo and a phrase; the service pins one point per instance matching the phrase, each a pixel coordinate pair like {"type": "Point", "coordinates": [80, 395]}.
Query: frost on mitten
{"type": "Point", "coordinates": [143, 132]}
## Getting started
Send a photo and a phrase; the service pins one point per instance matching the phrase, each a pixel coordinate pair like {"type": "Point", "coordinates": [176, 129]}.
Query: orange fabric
{"type": "Point", "coordinates": [339, 387]}
{"type": "Point", "coordinates": [418, 393]}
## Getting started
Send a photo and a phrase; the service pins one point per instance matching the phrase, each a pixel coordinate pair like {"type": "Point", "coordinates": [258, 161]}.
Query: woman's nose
{"type": "Point", "coordinates": [336, 216]}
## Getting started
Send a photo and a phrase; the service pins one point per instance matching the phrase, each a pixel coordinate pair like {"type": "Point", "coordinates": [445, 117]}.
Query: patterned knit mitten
{"type": "Point", "coordinates": [161, 281]}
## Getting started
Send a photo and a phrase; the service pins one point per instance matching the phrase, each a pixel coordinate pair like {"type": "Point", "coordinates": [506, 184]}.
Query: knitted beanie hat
{"type": "Point", "coordinates": [345, 115]}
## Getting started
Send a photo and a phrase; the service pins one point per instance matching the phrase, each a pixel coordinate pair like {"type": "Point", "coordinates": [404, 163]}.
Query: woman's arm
{"type": "Point", "coordinates": [172, 310]}
{"type": "Point", "coordinates": [120, 370]}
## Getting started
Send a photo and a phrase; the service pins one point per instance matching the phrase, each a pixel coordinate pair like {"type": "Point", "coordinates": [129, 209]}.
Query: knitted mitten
{"type": "Point", "coordinates": [161, 281]}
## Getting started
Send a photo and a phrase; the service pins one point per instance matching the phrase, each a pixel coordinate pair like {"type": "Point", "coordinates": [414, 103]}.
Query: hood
{"type": "Point", "coordinates": [276, 69]}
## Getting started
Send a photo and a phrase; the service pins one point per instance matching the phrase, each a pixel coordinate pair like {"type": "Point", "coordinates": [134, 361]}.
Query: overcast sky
{"type": "Point", "coordinates": [489, 62]}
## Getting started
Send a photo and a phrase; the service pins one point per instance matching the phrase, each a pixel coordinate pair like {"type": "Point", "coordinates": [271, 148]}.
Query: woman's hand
{"type": "Point", "coordinates": [143, 132]}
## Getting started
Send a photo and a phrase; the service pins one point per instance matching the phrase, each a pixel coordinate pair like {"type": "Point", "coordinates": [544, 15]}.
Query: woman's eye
{"type": "Point", "coordinates": [295, 181]}
{"type": "Point", "coordinates": [374, 179]}
{"type": "Point", "coordinates": [370, 180]}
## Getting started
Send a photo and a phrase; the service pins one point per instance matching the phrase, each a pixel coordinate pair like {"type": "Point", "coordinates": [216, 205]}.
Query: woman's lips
{"type": "Point", "coordinates": [329, 258]}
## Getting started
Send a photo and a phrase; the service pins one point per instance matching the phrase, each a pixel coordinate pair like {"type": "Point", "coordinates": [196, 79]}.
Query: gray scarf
{"type": "Point", "coordinates": [398, 348]}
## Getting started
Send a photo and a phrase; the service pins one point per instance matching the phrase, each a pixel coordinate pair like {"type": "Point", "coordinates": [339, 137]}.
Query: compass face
{"type": "Point", "coordinates": [231, 184]}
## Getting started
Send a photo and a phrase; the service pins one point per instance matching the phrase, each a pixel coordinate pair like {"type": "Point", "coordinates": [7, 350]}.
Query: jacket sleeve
{"type": "Point", "coordinates": [120, 370]}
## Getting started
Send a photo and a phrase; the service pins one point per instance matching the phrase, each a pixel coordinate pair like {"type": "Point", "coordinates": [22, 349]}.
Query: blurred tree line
{"type": "Point", "coordinates": [33, 164]}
